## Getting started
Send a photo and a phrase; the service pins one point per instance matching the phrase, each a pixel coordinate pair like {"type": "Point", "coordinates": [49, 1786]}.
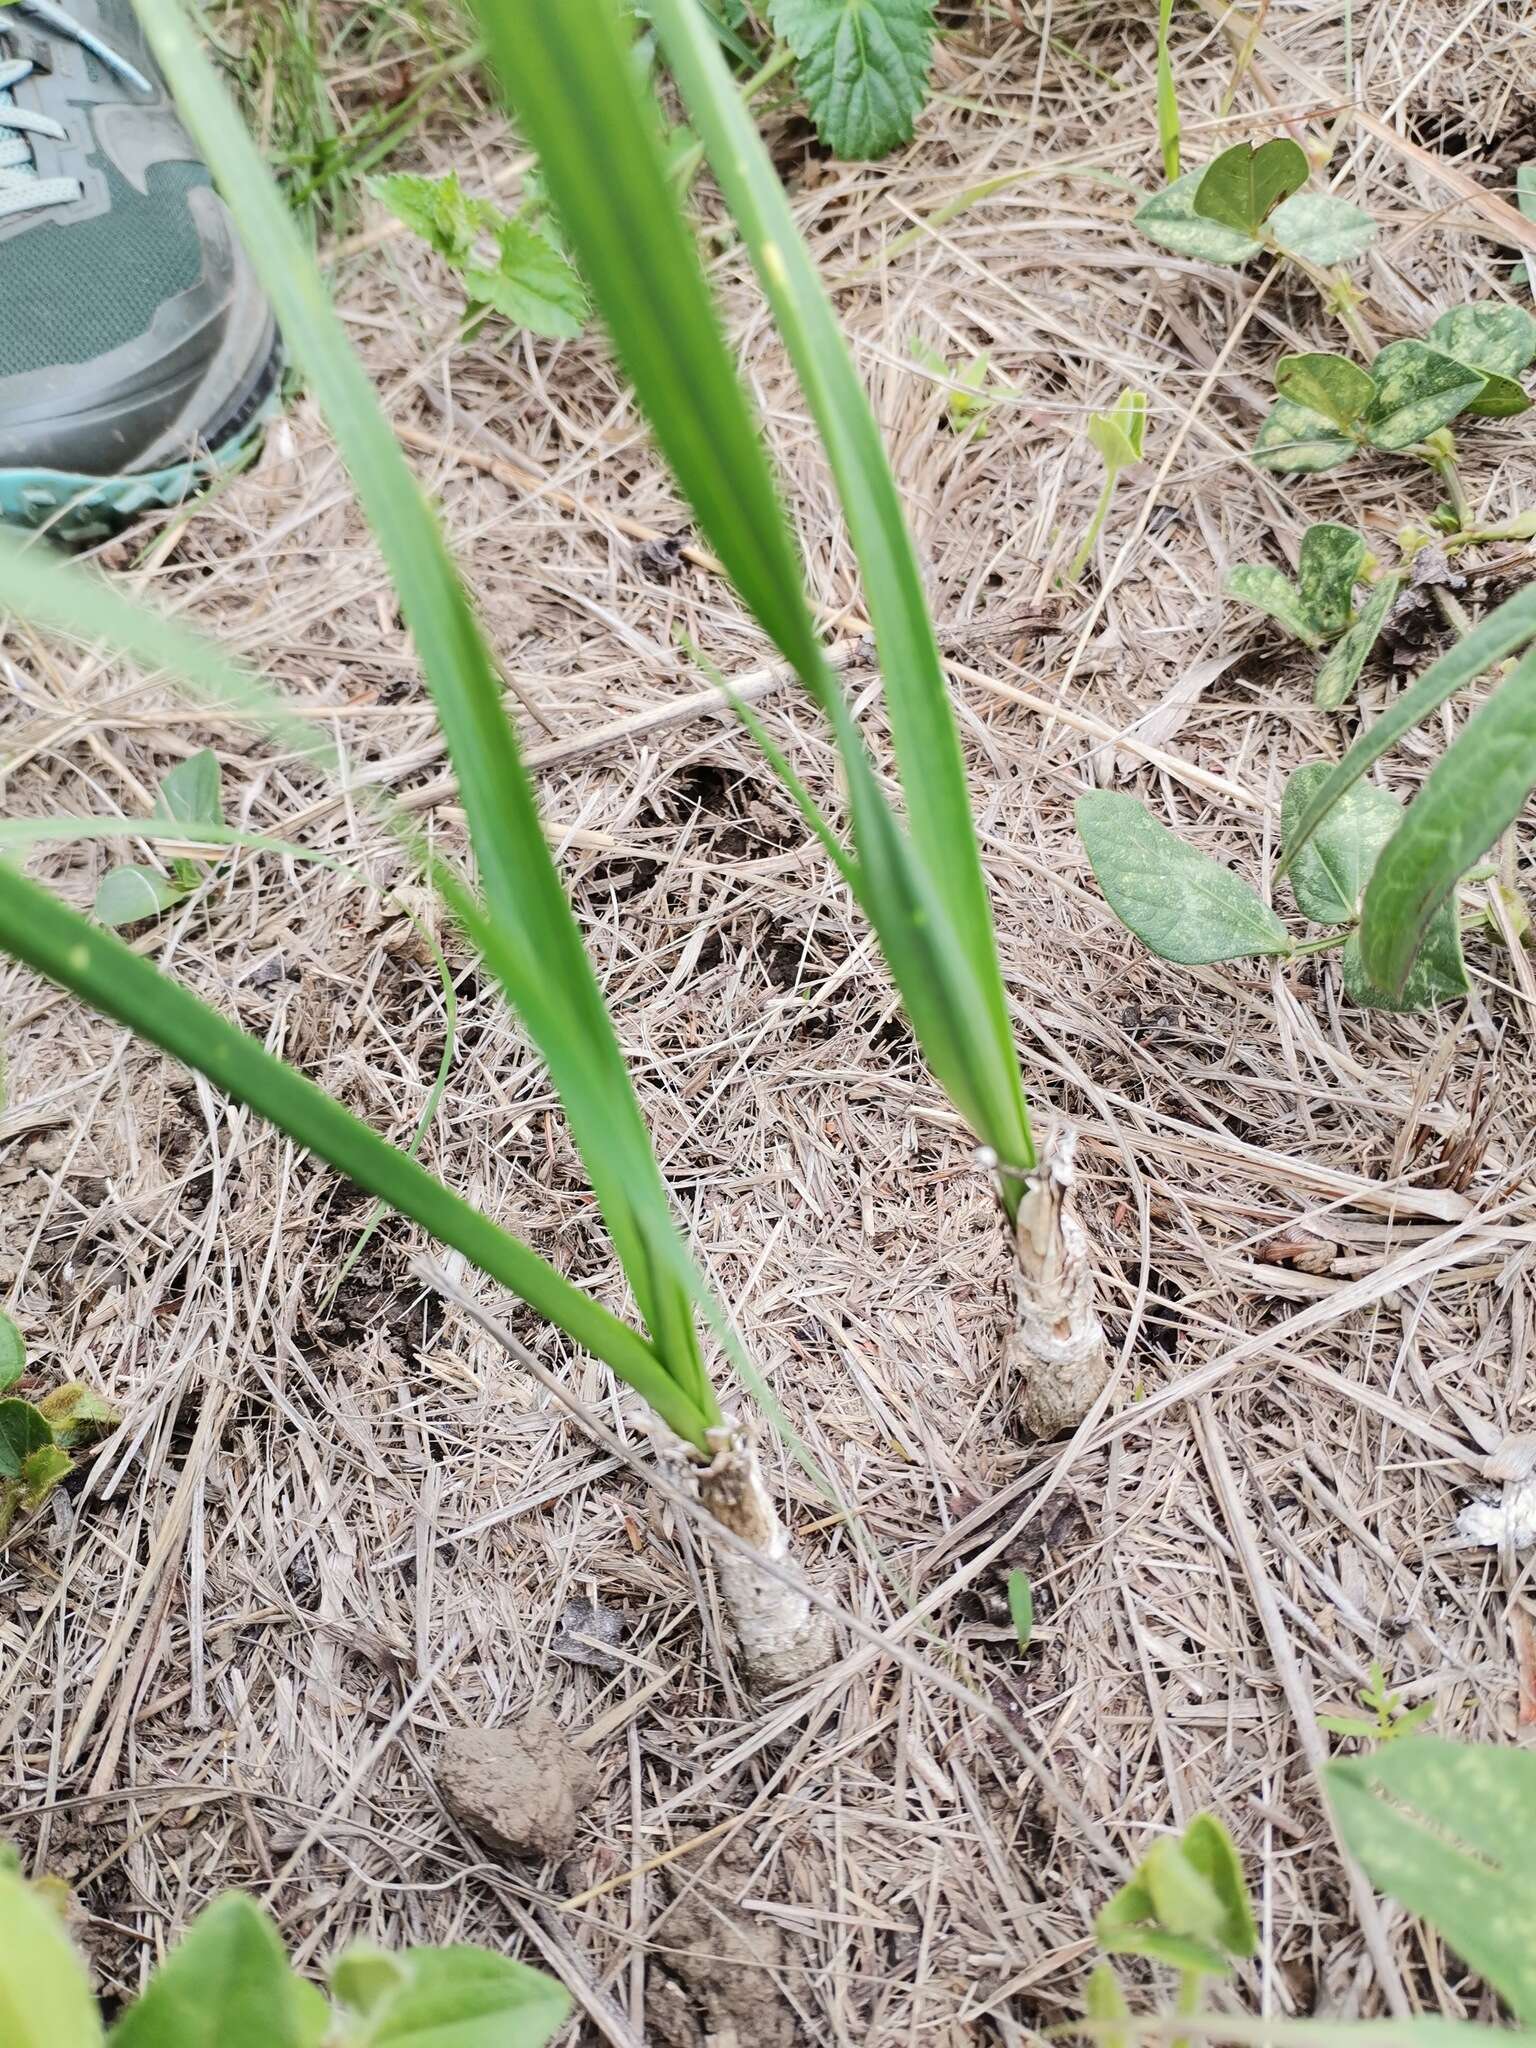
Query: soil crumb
{"type": "Point", "coordinates": [521, 1788]}
{"type": "Point", "coordinates": [714, 1981]}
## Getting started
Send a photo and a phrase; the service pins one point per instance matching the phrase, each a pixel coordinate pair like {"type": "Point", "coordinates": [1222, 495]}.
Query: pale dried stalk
{"type": "Point", "coordinates": [1057, 1347]}
{"type": "Point", "coordinates": [782, 1638]}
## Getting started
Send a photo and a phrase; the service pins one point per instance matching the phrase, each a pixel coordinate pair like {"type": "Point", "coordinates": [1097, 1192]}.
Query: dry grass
{"type": "Point", "coordinates": [329, 1529]}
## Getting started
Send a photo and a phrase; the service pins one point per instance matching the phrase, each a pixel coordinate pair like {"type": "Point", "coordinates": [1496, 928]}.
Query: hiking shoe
{"type": "Point", "coordinates": [137, 353]}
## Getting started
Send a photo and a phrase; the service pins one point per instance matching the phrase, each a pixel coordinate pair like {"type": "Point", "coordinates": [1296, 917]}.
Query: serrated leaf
{"type": "Point", "coordinates": [226, 1984]}
{"type": "Point", "coordinates": [45, 1995]}
{"type": "Point", "coordinates": [1021, 1607]}
{"type": "Point", "coordinates": [437, 209]}
{"type": "Point", "coordinates": [1331, 385]}
{"type": "Point", "coordinates": [1322, 229]}
{"type": "Point", "coordinates": [862, 65]}
{"type": "Point", "coordinates": [1209, 1849]}
{"type": "Point", "coordinates": [22, 1431]}
{"type": "Point", "coordinates": [1438, 973]}
{"type": "Point", "coordinates": [13, 1353]}
{"type": "Point", "coordinates": [1183, 905]}
{"type": "Point", "coordinates": [1341, 665]}
{"type": "Point", "coordinates": [1331, 560]}
{"type": "Point", "coordinates": [465, 1998]}
{"type": "Point", "coordinates": [41, 1471]}
{"type": "Point", "coordinates": [532, 284]}
{"type": "Point", "coordinates": [1329, 874]}
{"type": "Point", "coordinates": [1243, 185]}
{"type": "Point", "coordinates": [1449, 1831]}
{"type": "Point", "coordinates": [1169, 218]}
{"type": "Point", "coordinates": [1270, 590]}
{"type": "Point", "coordinates": [129, 895]}
{"type": "Point", "coordinates": [75, 1413]}
{"type": "Point", "coordinates": [1475, 791]}
{"type": "Point", "coordinates": [190, 794]}
{"type": "Point", "coordinates": [1295, 440]}
{"type": "Point", "coordinates": [1418, 390]}
{"type": "Point", "coordinates": [1498, 339]}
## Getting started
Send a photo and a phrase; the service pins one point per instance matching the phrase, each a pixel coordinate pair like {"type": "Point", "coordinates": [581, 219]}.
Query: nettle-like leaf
{"type": "Point", "coordinates": [1271, 591]}
{"type": "Point", "coordinates": [862, 65]}
{"type": "Point", "coordinates": [1449, 1830]}
{"type": "Point", "coordinates": [1331, 385]}
{"type": "Point", "coordinates": [13, 1353]}
{"type": "Point", "coordinates": [1295, 440]}
{"type": "Point", "coordinates": [1498, 340]}
{"type": "Point", "coordinates": [506, 263]}
{"type": "Point", "coordinates": [1330, 872]}
{"type": "Point", "coordinates": [1181, 904]}
{"type": "Point", "coordinates": [1169, 218]}
{"type": "Point", "coordinates": [1341, 665]}
{"type": "Point", "coordinates": [1242, 187]}
{"type": "Point", "coordinates": [1438, 973]}
{"type": "Point", "coordinates": [1319, 228]}
{"type": "Point", "coordinates": [1332, 558]}
{"type": "Point", "coordinates": [1418, 390]}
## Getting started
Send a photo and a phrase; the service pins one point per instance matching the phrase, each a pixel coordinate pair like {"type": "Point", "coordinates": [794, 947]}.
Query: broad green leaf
{"type": "Point", "coordinates": [1169, 218]}
{"type": "Point", "coordinates": [1270, 590]}
{"type": "Point", "coordinates": [1329, 874]}
{"type": "Point", "coordinates": [1341, 665]}
{"type": "Point", "coordinates": [1243, 185]}
{"type": "Point", "coordinates": [1208, 1847]}
{"type": "Point", "coordinates": [1449, 1831]}
{"type": "Point", "coordinates": [464, 1998]}
{"type": "Point", "coordinates": [1501, 398]}
{"type": "Point", "coordinates": [226, 1984]}
{"type": "Point", "coordinates": [1118, 434]}
{"type": "Point", "coordinates": [1021, 1606]}
{"type": "Point", "coordinates": [13, 1353]}
{"type": "Point", "coordinates": [1331, 561]}
{"type": "Point", "coordinates": [45, 1995]}
{"type": "Point", "coordinates": [1500, 634]}
{"type": "Point", "coordinates": [1417, 391]}
{"type": "Point", "coordinates": [531, 284]}
{"type": "Point", "coordinates": [129, 895]}
{"type": "Point", "coordinates": [863, 67]}
{"type": "Point", "coordinates": [1183, 905]}
{"type": "Point", "coordinates": [75, 1413]}
{"type": "Point", "coordinates": [1331, 385]}
{"type": "Point", "coordinates": [191, 794]}
{"type": "Point", "coordinates": [1104, 2001]}
{"type": "Point", "coordinates": [1129, 1923]}
{"type": "Point", "coordinates": [41, 1472]}
{"type": "Point", "coordinates": [1296, 440]}
{"type": "Point", "coordinates": [1475, 791]}
{"type": "Point", "coordinates": [437, 209]}
{"type": "Point", "coordinates": [1184, 1900]}
{"type": "Point", "coordinates": [1321, 229]}
{"type": "Point", "coordinates": [1498, 339]}
{"type": "Point", "coordinates": [364, 1978]}
{"type": "Point", "coordinates": [1438, 973]}
{"type": "Point", "coordinates": [22, 1431]}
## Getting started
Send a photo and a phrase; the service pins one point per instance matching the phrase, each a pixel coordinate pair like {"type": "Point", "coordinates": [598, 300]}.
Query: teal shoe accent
{"type": "Point", "coordinates": [79, 509]}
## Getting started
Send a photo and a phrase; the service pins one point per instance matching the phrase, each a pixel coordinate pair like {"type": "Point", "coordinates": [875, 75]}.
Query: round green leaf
{"type": "Point", "coordinates": [1418, 390]}
{"type": "Point", "coordinates": [129, 895]}
{"type": "Point", "coordinates": [1270, 590]}
{"type": "Point", "coordinates": [1331, 560]}
{"type": "Point", "coordinates": [1332, 385]}
{"type": "Point", "coordinates": [1330, 871]}
{"type": "Point", "coordinates": [1321, 229]}
{"type": "Point", "coordinates": [1183, 905]}
{"type": "Point", "coordinates": [1498, 339]}
{"type": "Point", "coordinates": [1244, 184]}
{"type": "Point", "coordinates": [1169, 217]}
{"type": "Point", "coordinates": [1295, 440]}
{"type": "Point", "coordinates": [13, 1353]}
{"type": "Point", "coordinates": [22, 1431]}
{"type": "Point", "coordinates": [190, 793]}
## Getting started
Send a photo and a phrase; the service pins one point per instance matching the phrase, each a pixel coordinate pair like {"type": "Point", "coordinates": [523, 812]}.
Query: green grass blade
{"type": "Point", "coordinates": [1474, 792]}
{"type": "Point", "coordinates": [1502, 633]}
{"type": "Point", "coordinates": [94, 965]}
{"type": "Point", "coordinates": [1168, 133]}
{"type": "Point", "coordinates": [554, 990]}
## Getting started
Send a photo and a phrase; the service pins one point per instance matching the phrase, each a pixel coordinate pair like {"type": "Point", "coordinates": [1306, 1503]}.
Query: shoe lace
{"type": "Point", "coordinates": [22, 187]}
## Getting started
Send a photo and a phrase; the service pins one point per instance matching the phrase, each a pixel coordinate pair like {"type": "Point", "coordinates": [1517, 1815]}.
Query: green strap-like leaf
{"type": "Point", "coordinates": [1500, 634]}
{"type": "Point", "coordinates": [1270, 590]}
{"type": "Point", "coordinates": [1329, 873]}
{"type": "Point", "coordinates": [1243, 185]}
{"type": "Point", "coordinates": [1341, 665]}
{"type": "Point", "coordinates": [863, 67]}
{"type": "Point", "coordinates": [1180, 903]}
{"type": "Point", "coordinates": [1322, 229]}
{"type": "Point", "coordinates": [1418, 390]}
{"type": "Point", "coordinates": [1475, 791]}
{"type": "Point", "coordinates": [1169, 218]}
{"type": "Point", "coordinates": [1331, 560]}
{"type": "Point", "coordinates": [1331, 385]}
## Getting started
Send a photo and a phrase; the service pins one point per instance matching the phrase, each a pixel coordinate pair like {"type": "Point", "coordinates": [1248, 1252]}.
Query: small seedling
{"type": "Point", "coordinates": [1318, 608]}
{"type": "Point", "coordinates": [968, 402]}
{"type": "Point", "coordinates": [1021, 1607]}
{"type": "Point", "coordinates": [36, 1438]}
{"type": "Point", "coordinates": [189, 795]}
{"type": "Point", "coordinates": [1390, 1721]}
{"type": "Point", "coordinates": [507, 263]}
{"type": "Point", "coordinates": [1186, 1906]}
{"type": "Point", "coordinates": [1249, 201]}
{"type": "Point", "coordinates": [1118, 435]}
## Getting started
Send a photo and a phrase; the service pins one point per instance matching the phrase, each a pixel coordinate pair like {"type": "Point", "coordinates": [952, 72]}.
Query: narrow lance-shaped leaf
{"type": "Point", "coordinates": [1180, 903]}
{"type": "Point", "coordinates": [1168, 126]}
{"type": "Point", "coordinates": [555, 990]}
{"type": "Point", "coordinates": [1243, 185]}
{"type": "Point", "coordinates": [1474, 792]}
{"type": "Point", "coordinates": [1341, 665]}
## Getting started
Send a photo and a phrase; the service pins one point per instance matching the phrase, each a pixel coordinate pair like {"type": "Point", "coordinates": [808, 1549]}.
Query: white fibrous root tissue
{"type": "Point", "coordinates": [1057, 1346]}
{"type": "Point", "coordinates": [781, 1636]}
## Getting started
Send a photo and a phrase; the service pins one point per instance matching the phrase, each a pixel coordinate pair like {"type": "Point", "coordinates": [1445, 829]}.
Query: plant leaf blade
{"type": "Point", "coordinates": [863, 67]}
{"type": "Point", "coordinates": [1320, 228]}
{"type": "Point", "coordinates": [1417, 391]}
{"type": "Point", "coordinates": [1243, 185]}
{"type": "Point", "coordinates": [226, 1984]}
{"type": "Point", "coordinates": [1341, 665]}
{"type": "Point", "coordinates": [45, 1996]}
{"type": "Point", "coordinates": [1181, 904]}
{"type": "Point", "coordinates": [1332, 558]}
{"type": "Point", "coordinates": [1294, 440]}
{"type": "Point", "coordinates": [1169, 219]}
{"type": "Point", "coordinates": [1331, 385]}
{"type": "Point", "coordinates": [1267, 589]}
{"type": "Point", "coordinates": [1329, 873]}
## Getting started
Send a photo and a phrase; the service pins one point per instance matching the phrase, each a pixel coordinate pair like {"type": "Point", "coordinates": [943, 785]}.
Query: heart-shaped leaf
{"type": "Point", "coordinates": [1332, 385]}
{"type": "Point", "coordinates": [190, 793]}
{"type": "Point", "coordinates": [128, 895]}
{"type": "Point", "coordinates": [1270, 590]}
{"type": "Point", "coordinates": [1331, 560]}
{"type": "Point", "coordinates": [1169, 218]}
{"type": "Point", "coordinates": [1438, 973]}
{"type": "Point", "coordinates": [1244, 184]}
{"type": "Point", "coordinates": [1294, 440]}
{"type": "Point", "coordinates": [1321, 229]}
{"type": "Point", "coordinates": [1344, 660]}
{"type": "Point", "coordinates": [1180, 903]}
{"type": "Point", "coordinates": [1330, 871]}
{"type": "Point", "coordinates": [13, 1354]}
{"type": "Point", "coordinates": [1418, 390]}
{"type": "Point", "coordinates": [22, 1431]}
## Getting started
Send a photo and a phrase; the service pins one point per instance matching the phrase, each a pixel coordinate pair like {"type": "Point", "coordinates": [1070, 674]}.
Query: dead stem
{"type": "Point", "coordinates": [1057, 1346]}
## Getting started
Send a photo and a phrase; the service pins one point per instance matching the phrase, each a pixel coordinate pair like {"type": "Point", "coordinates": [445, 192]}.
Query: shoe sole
{"type": "Point", "coordinates": [79, 509]}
